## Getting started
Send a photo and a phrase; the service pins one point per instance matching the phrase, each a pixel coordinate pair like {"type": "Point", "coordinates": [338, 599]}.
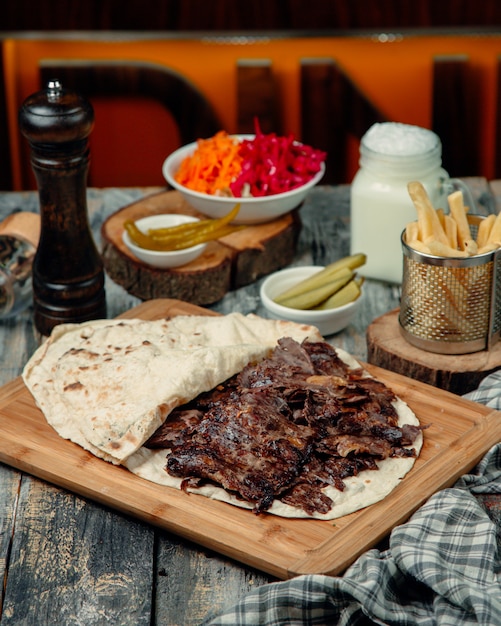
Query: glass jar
{"type": "Point", "coordinates": [391, 156]}
{"type": "Point", "coordinates": [16, 259]}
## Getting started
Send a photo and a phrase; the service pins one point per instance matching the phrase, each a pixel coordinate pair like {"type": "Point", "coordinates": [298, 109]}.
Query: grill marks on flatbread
{"type": "Point", "coordinates": [108, 385]}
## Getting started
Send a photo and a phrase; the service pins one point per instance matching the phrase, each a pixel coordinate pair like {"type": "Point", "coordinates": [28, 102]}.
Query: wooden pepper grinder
{"type": "Point", "coordinates": [68, 275]}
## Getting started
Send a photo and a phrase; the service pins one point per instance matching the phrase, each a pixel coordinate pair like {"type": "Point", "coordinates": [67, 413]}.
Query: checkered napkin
{"type": "Point", "coordinates": [441, 568]}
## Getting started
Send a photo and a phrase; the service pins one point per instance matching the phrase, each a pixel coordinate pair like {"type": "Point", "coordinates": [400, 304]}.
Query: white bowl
{"type": "Point", "coordinates": [157, 258]}
{"type": "Point", "coordinates": [328, 322]}
{"type": "Point", "coordinates": [252, 210]}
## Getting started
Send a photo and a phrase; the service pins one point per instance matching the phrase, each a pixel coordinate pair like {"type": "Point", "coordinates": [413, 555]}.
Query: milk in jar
{"type": "Point", "coordinates": [391, 155]}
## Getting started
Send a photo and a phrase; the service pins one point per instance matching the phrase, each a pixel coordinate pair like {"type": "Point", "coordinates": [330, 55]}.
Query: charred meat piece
{"type": "Point", "coordinates": [346, 445]}
{"type": "Point", "coordinates": [247, 446]}
{"type": "Point", "coordinates": [287, 367]}
{"type": "Point", "coordinates": [325, 359]}
{"type": "Point", "coordinates": [308, 497]}
{"type": "Point", "coordinates": [179, 424]}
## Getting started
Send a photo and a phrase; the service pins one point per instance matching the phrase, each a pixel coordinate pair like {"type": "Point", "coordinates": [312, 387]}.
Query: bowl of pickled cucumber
{"type": "Point", "coordinates": [327, 297]}
{"type": "Point", "coordinates": [165, 240]}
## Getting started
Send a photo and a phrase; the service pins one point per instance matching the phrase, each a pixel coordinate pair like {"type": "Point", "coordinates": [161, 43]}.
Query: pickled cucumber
{"type": "Point", "coordinates": [322, 277]}
{"type": "Point", "coordinates": [349, 293]}
{"type": "Point", "coordinates": [313, 297]}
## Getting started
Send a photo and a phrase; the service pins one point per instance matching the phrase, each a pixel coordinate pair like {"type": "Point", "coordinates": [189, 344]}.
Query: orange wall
{"type": "Point", "coordinates": [395, 74]}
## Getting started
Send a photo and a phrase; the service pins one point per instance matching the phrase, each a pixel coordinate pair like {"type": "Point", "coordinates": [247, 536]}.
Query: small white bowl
{"type": "Point", "coordinates": [328, 322]}
{"type": "Point", "coordinates": [252, 210]}
{"type": "Point", "coordinates": [157, 258]}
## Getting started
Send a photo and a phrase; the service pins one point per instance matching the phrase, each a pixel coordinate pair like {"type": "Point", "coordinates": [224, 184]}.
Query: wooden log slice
{"type": "Point", "coordinates": [459, 374]}
{"type": "Point", "coordinates": [231, 262]}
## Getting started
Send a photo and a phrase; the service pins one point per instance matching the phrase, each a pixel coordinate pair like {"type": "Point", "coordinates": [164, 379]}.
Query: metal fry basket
{"type": "Point", "coordinates": [450, 305]}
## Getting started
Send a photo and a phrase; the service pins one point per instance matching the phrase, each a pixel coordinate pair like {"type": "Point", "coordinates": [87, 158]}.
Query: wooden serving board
{"type": "Point", "coordinates": [226, 264]}
{"type": "Point", "coordinates": [460, 433]}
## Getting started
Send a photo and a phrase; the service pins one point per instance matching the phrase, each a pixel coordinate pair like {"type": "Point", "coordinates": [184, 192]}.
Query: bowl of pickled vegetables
{"type": "Point", "coordinates": [326, 297]}
{"type": "Point", "coordinates": [267, 174]}
{"type": "Point", "coordinates": [164, 240]}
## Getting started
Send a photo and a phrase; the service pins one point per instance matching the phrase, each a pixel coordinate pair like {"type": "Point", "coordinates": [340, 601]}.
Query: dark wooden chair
{"type": "Point", "coordinates": [332, 111]}
{"type": "Point", "coordinates": [191, 111]}
{"type": "Point", "coordinates": [456, 111]}
{"type": "Point", "coordinates": [192, 114]}
{"type": "Point", "coordinates": [257, 97]}
{"type": "Point", "coordinates": [498, 125]}
{"type": "Point", "coordinates": [335, 111]}
{"type": "Point", "coordinates": [5, 161]}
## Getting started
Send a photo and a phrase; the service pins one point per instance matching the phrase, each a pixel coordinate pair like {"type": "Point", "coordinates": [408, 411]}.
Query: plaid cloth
{"type": "Point", "coordinates": [441, 568]}
{"type": "Point", "coordinates": [488, 392]}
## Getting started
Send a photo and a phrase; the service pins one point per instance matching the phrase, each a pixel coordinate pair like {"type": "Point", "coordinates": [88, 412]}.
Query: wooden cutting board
{"type": "Point", "coordinates": [226, 264]}
{"type": "Point", "coordinates": [460, 433]}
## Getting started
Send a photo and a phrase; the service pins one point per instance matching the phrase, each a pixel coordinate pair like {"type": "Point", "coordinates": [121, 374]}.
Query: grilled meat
{"type": "Point", "coordinates": [285, 428]}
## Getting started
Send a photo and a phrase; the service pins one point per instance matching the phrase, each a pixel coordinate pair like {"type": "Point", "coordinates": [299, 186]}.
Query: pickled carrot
{"type": "Point", "coordinates": [213, 166]}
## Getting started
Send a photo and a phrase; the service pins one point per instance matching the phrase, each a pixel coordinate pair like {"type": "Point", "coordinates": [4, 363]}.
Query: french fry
{"type": "Point", "coordinates": [441, 217]}
{"type": "Point", "coordinates": [471, 246]}
{"type": "Point", "coordinates": [417, 244]}
{"type": "Point", "coordinates": [495, 232]}
{"type": "Point", "coordinates": [458, 212]}
{"type": "Point", "coordinates": [484, 229]}
{"type": "Point", "coordinates": [437, 248]}
{"type": "Point", "coordinates": [448, 303]}
{"type": "Point", "coordinates": [451, 230]}
{"type": "Point", "coordinates": [489, 247]}
{"type": "Point", "coordinates": [412, 232]}
{"type": "Point", "coordinates": [429, 223]}
{"type": "Point", "coordinates": [449, 234]}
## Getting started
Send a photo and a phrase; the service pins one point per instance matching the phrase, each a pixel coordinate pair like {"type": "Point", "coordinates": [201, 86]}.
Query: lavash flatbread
{"type": "Point", "coordinates": [108, 385]}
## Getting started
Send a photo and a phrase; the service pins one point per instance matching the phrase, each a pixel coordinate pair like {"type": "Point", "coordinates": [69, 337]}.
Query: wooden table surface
{"type": "Point", "coordinates": [66, 560]}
